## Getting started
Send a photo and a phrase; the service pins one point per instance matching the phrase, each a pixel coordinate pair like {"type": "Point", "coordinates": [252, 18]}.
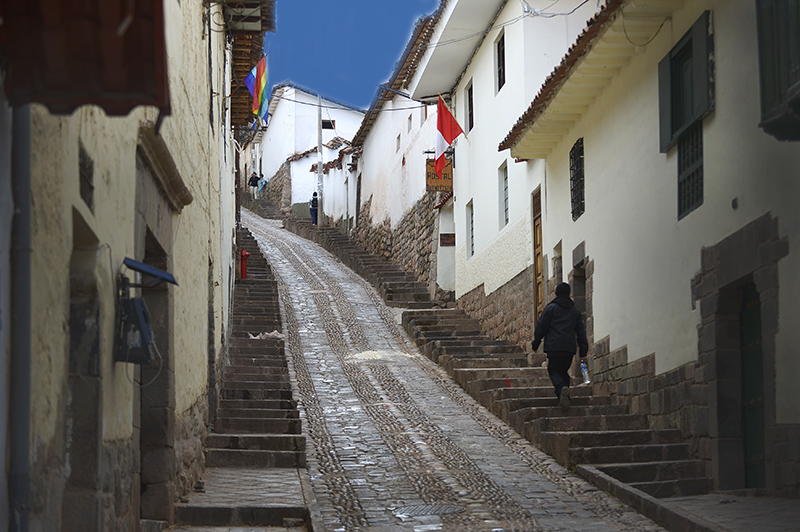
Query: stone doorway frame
{"type": "Point", "coordinates": [751, 254]}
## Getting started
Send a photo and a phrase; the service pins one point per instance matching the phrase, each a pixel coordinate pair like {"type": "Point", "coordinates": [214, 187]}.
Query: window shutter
{"type": "Point", "coordinates": [703, 98]}
{"type": "Point", "coordinates": [665, 102]}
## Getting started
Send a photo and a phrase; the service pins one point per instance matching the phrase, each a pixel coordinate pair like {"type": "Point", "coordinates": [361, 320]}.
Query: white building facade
{"type": "Point", "coordinates": [288, 146]}
{"type": "Point", "coordinates": [675, 216]}
{"type": "Point", "coordinates": [489, 59]}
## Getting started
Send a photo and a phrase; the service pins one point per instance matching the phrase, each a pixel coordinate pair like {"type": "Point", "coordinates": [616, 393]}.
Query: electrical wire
{"type": "Point", "coordinates": [526, 13]}
{"type": "Point", "coordinates": [341, 108]}
{"type": "Point", "coordinates": [625, 31]}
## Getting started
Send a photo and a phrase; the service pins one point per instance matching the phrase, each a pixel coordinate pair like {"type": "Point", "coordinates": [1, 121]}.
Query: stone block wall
{"type": "Point", "coordinates": [507, 313]}
{"type": "Point", "coordinates": [409, 245]}
{"type": "Point", "coordinates": [190, 438]}
{"type": "Point", "coordinates": [279, 189]}
{"type": "Point", "coordinates": [703, 398]}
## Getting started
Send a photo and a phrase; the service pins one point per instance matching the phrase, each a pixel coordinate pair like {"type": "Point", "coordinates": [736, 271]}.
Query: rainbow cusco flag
{"type": "Point", "coordinates": [256, 82]}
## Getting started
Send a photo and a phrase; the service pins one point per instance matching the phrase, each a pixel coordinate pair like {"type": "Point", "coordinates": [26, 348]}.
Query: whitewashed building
{"type": "Point", "coordinates": [671, 207]}
{"type": "Point", "coordinates": [288, 146]}
{"type": "Point", "coordinates": [489, 58]}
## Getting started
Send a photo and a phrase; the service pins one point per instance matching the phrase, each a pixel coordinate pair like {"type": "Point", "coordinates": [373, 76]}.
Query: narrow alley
{"type": "Point", "coordinates": [393, 443]}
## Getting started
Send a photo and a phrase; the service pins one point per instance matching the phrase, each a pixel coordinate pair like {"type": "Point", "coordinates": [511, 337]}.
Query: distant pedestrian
{"type": "Point", "coordinates": [313, 205]}
{"type": "Point", "coordinates": [262, 186]}
{"type": "Point", "coordinates": [253, 184]}
{"type": "Point", "coordinates": [561, 325]}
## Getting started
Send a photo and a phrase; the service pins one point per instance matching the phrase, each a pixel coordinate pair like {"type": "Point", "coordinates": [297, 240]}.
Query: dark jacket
{"type": "Point", "coordinates": [560, 324]}
{"type": "Point", "coordinates": [253, 181]}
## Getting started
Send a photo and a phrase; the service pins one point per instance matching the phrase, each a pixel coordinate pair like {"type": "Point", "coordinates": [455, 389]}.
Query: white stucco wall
{"type": "Point", "coordinates": [194, 143]}
{"type": "Point", "coordinates": [293, 129]}
{"type": "Point", "coordinates": [534, 46]}
{"type": "Point", "coordinates": [394, 177]}
{"type": "Point", "coordinates": [644, 256]}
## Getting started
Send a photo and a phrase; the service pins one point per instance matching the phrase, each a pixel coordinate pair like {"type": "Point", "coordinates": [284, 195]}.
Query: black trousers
{"type": "Point", "coordinates": [558, 363]}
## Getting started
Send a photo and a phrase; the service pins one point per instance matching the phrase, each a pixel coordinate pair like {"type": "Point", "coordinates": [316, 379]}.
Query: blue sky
{"type": "Point", "coordinates": [341, 49]}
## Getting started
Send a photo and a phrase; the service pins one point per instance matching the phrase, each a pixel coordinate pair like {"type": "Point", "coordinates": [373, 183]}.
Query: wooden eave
{"type": "Point", "coordinates": [246, 52]}
{"type": "Point", "coordinates": [598, 55]}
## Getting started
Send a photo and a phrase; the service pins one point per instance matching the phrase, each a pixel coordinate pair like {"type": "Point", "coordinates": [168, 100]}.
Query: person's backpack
{"type": "Point", "coordinates": [313, 203]}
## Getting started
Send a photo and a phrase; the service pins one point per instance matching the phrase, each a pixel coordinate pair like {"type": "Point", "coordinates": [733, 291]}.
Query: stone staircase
{"type": "Point", "coordinates": [257, 425]}
{"type": "Point", "coordinates": [515, 386]}
{"type": "Point", "coordinates": [397, 287]}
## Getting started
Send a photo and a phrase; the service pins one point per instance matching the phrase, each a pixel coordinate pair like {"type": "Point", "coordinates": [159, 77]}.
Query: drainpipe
{"type": "Point", "coordinates": [20, 381]}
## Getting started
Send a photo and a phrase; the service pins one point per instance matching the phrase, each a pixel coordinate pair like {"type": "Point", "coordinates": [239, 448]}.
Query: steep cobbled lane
{"type": "Point", "coordinates": [393, 443]}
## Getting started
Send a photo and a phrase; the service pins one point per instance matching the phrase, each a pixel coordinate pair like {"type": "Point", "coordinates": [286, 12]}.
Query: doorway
{"type": "Point", "coordinates": [741, 445]}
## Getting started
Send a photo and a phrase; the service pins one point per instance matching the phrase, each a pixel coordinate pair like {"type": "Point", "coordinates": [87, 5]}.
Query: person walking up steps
{"type": "Point", "coordinates": [561, 326]}
{"type": "Point", "coordinates": [312, 208]}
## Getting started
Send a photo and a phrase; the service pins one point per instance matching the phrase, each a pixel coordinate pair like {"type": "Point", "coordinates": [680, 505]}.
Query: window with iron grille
{"type": "Point", "coordinates": [470, 229]}
{"type": "Point", "coordinates": [690, 170]}
{"type": "Point", "coordinates": [470, 109]}
{"type": "Point", "coordinates": [501, 62]}
{"type": "Point", "coordinates": [686, 82]}
{"type": "Point", "coordinates": [502, 196]}
{"type": "Point", "coordinates": [576, 179]}
{"type": "Point", "coordinates": [86, 175]}
{"type": "Point", "coordinates": [779, 66]}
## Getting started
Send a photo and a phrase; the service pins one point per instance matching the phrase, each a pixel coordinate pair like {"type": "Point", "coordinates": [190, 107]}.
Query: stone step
{"type": "Point", "coordinates": [401, 296]}
{"type": "Point", "coordinates": [277, 404]}
{"type": "Point", "coordinates": [258, 394]}
{"type": "Point", "coordinates": [254, 458]}
{"type": "Point", "coordinates": [263, 343]}
{"type": "Point", "coordinates": [410, 304]}
{"type": "Point", "coordinates": [519, 417]}
{"type": "Point", "coordinates": [234, 380]}
{"type": "Point", "coordinates": [621, 423]}
{"type": "Point", "coordinates": [470, 374]}
{"type": "Point", "coordinates": [256, 361]}
{"type": "Point", "coordinates": [544, 406]}
{"type": "Point", "coordinates": [255, 386]}
{"type": "Point", "coordinates": [534, 392]}
{"type": "Point", "coordinates": [258, 426]}
{"type": "Point", "coordinates": [676, 488]}
{"type": "Point", "coordinates": [409, 316]}
{"type": "Point", "coordinates": [513, 361]}
{"type": "Point", "coordinates": [629, 453]}
{"type": "Point", "coordinates": [257, 442]}
{"type": "Point", "coordinates": [464, 324]}
{"type": "Point", "coordinates": [659, 471]}
{"type": "Point", "coordinates": [475, 387]}
{"type": "Point", "coordinates": [472, 345]}
{"type": "Point", "coordinates": [267, 366]}
{"type": "Point", "coordinates": [452, 362]}
{"type": "Point", "coordinates": [257, 413]}
{"type": "Point", "coordinates": [561, 445]}
{"type": "Point", "coordinates": [422, 338]}
{"type": "Point", "coordinates": [472, 351]}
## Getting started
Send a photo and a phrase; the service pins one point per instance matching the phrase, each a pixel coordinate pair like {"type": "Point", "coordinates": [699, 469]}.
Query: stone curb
{"type": "Point", "coordinates": [314, 521]}
{"type": "Point", "coordinates": [673, 519]}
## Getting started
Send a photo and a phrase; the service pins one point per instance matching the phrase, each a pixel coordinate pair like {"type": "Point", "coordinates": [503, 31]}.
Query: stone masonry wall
{"type": "Point", "coordinates": [279, 189]}
{"type": "Point", "coordinates": [699, 398]}
{"type": "Point", "coordinates": [409, 245]}
{"type": "Point", "coordinates": [190, 437]}
{"type": "Point", "coordinates": [507, 313]}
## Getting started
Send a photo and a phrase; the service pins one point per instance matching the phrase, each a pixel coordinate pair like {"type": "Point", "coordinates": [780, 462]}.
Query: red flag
{"type": "Point", "coordinates": [447, 131]}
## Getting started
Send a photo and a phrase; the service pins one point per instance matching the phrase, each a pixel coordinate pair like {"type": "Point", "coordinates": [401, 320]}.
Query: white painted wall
{"type": "Point", "coordinates": [394, 176]}
{"type": "Point", "coordinates": [534, 46]}
{"type": "Point", "coordinates": [644, 256]}
{"type": "Point", "coordinates": [293, 129]}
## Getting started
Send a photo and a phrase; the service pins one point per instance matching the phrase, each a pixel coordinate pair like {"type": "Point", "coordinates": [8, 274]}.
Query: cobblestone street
{"type": "Point", "coordinates": [393, 443]}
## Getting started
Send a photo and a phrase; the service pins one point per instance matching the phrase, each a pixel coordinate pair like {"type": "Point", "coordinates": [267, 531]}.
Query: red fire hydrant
{"type": "Point", "coordinates": [244, 255]}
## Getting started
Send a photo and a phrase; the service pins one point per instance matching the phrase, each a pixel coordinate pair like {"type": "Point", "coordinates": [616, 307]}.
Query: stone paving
{"type": "Point", "coordinates": [393, 443]}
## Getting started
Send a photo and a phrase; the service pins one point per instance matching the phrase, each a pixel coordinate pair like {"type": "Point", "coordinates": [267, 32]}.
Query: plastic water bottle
{"type": "Point", "coordinates": [585, 372]}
